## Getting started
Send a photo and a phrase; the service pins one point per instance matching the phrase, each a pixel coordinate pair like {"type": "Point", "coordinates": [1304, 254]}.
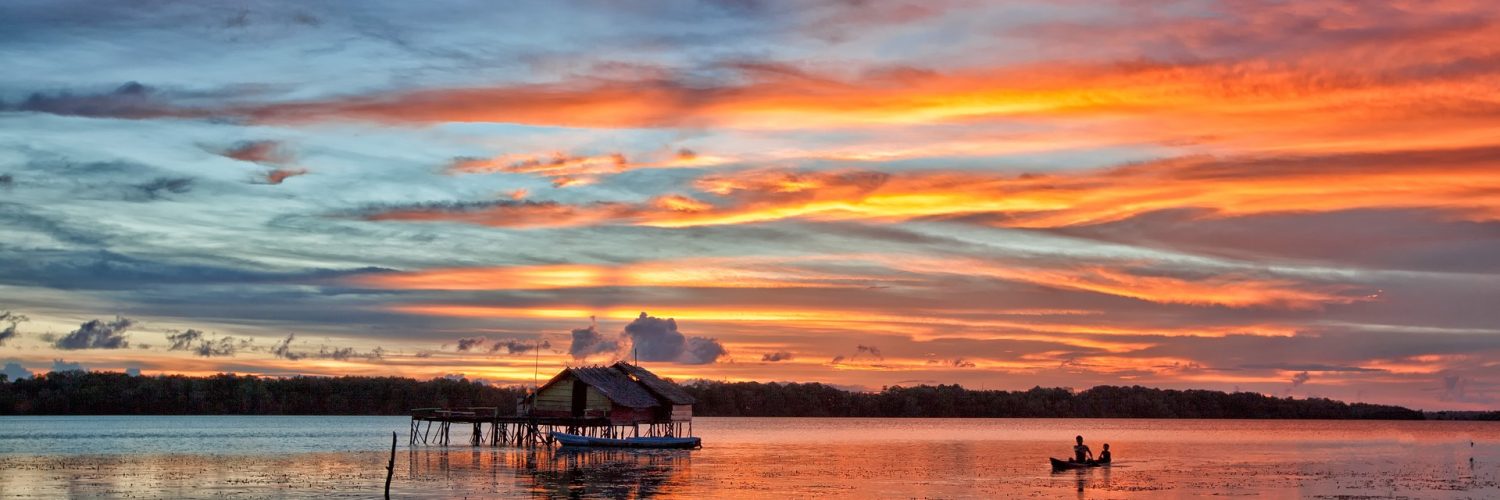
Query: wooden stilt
{"type": "Point", "coordinates": [390, 468]}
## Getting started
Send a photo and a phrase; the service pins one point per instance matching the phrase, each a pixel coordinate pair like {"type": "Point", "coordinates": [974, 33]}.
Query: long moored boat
{"type": "Point", "coordinates": [636, 442]}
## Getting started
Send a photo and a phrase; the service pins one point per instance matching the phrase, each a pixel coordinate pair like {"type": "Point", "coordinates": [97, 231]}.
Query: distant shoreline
{"type": "Point", "coordinates": [103, 393]}
{"type": "Point", "coordinates": [403, 415]}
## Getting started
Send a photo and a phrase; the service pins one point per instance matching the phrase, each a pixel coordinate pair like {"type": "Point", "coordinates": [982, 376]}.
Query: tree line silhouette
{"type": "Point", "coordinates": [754, 399]}
{"type": "Point", "coordinates": [103, 393]}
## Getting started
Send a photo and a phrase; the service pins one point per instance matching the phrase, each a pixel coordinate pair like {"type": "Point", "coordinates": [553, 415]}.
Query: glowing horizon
{"type": "Point", "coordinates": [1286, 198]}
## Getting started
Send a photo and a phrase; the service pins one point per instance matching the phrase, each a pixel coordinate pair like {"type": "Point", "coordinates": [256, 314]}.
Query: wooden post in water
{"type": "Point", "coordinates": [390, 468]}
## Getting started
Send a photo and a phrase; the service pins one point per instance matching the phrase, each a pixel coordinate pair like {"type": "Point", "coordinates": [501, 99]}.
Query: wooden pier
{"type": "Point", "coordinates": [617, 401]}
{"type": "Point", "coordinates": [433, 426]}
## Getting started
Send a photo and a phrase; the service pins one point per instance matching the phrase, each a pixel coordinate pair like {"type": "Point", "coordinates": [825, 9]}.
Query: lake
{"type": "Point", "coordinates": [322, 457]}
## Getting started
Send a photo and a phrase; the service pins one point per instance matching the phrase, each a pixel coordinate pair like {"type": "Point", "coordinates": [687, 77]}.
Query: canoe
{"type": "Point", "coordinates": [636, 442]}
{"type": "Point", "coordinates": [1066, 465]}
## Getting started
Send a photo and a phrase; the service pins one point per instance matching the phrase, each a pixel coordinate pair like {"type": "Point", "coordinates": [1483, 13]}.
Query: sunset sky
{"type": "Point", "coordinates": [1292, 198]}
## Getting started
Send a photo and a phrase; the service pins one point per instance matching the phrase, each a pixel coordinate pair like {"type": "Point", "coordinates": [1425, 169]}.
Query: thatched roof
{"type": "Point", "coordinates": [657, 385]}
{"type": "Point", "coordinates": [626, 385]}
{"type": "Point", "coordinates": [616, 385]}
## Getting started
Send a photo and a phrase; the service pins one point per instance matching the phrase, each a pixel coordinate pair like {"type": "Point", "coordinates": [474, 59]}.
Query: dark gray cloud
{"type": "Point", "coordinates": [466, 344]}
{"type": "Point", "coordinates": [656, 339]}
{"type": "Point", "coordinates": [6, 180]}
{"type": "Point", "coordinates": [107, 270]}
{"type": "Point", "coordinates": [336, 353]}
{"type": "Point", "coordinates": [293, 305]}
{"type": "Point", "coordinates": [160, 187]}
{"type": "Point", "coordinates": [776, 356]}
{"type": "Point", "coordinates": [59, 174]}
{"type": "Point", "coordinates": [64, 167]}
{"type": "Point", "coordinates": [13, 322]}
{"type": "Point", "coordinates": [137, 101]}
{"type": "Point", "coordinates": [869, 352]}
{"type": "Point", "coordinates": [184, 340]}
{"type": "Point", "coordinates": [962, 363]}
{"type": "Point", "coordinates": [500, 213]}
{"type": "Point", "coordinates": [588, 342]}
{"type": "Point", "coordinates": [131, 101]}
{"type": "Point", "coordinates": [97, 334]}
{"type": "Point", "coordinates": [702, 351]}
{"type": "Point", "coordinates": [513, 346]}
{"type": "Point", "coordinates": [9, 333]}
{"type": "Point", "coordinates": [17, 217]}
{"type": "Point", "coordinates": [285, 350]}
{"type": "Point", "coordinates": [200, 344]}
{"type": "Point", "coordinates": [59, 365]}
{"type": "Point", "coordinates": [14, 371]}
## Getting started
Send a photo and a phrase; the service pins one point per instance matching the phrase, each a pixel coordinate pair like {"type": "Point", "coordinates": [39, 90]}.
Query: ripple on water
{"type": "Point", "coordinates": [333, 457]}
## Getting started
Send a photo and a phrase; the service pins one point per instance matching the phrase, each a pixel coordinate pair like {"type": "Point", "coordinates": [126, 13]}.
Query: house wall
{"type": "Point", "coordinates": [556, 400]}
{"type": "Point", "coordinates": [624, 415]}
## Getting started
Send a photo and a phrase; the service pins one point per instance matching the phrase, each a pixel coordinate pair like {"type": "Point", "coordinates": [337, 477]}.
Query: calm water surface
{"type": "Point", "coordinates": [320, 457]}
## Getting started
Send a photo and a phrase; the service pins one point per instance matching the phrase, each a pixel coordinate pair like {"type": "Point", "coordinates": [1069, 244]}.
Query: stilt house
{"type": "Point", "coordinates": [623, 393]}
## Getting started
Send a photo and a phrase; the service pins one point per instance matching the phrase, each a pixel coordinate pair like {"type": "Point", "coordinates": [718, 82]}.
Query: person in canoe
{"type": "Point", "coordinates": [1082, 458]}
{"type": "Point", "coordinates": [1081, 452]}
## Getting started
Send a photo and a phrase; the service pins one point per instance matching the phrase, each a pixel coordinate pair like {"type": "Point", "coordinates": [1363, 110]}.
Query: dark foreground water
{"type": "Point", "coordinates": [321, 457]}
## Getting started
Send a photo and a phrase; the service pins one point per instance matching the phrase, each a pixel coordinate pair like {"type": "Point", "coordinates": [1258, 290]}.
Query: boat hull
{"type": "Point", "coordinates": [1068, 465]}
{"type": "Point", "coordinates": [574, 440]}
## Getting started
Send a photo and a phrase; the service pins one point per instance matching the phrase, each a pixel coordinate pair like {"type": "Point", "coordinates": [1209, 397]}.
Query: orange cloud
{"type": "Point", "coordinates": [1465, 183]}
{"type": "Point", "coordinates": [571, 170]}
{"type": "Point", "coordinates": [1315, 76]}
{"type": "Point", "coordinates": [513, 213]}
{"type": "Point", "coordinates": [915, 324]}
{"type": "Point", "coordinates": [269, 152]}
{"type": "Point", "coordinates": [706, 273]}
{"type": "Point", "coordinates": [1238, 290]}
{"type": "Point", "coordinates": [1315, 101]}
{"type": "Point", "coordinates": [791, 98]}
{"type": "Point", "coordinates": [1230, 290]}
{"type": "Point", "coordinates": [556, 164]}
